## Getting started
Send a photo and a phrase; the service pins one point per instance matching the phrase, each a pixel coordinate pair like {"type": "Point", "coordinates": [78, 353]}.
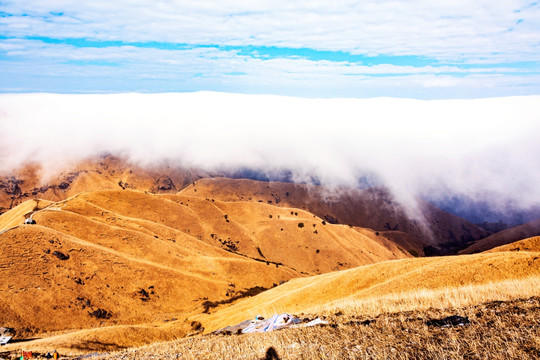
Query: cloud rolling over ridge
{"type": "Point", "coordinates": [482, 148]}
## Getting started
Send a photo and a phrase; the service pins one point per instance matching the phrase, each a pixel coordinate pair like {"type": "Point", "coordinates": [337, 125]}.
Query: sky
{"type": "Point", "coordinates": [336, 48]}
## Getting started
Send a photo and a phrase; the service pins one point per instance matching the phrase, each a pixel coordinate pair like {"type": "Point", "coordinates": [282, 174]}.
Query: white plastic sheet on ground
{"type": "Point", "coordinates": [276, 322]}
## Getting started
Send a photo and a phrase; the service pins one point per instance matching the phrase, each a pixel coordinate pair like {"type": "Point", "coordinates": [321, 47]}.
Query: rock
{"type": "Point", "coordinates": [60, 255]}
{"type": "Point", "coordinates": [453, 320]}
{"type": "Point", "coordinates": [165, 184]}
{"type": "Point", "coordinates": [331, 219]}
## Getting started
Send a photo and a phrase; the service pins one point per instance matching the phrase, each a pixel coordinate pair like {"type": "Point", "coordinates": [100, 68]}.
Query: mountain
{"type": "Point", "coordinates": [434, 232]}
{"type": "Point", "coordinates": [99, 173]}
{"type": "Point", "coordinates": [431, 232]}
{"type": "Point", "coordinates": [504, 237]}
{"type": "Point", "coordinates": [126, 257]}
{"type": "Point", "coordinates": [120, 257]}
{"type": "Point", "coordinates": [484, 213]}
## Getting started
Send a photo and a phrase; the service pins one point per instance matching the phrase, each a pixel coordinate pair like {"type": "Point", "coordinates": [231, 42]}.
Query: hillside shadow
{"type": "Point", "coordinates": [14, 341]}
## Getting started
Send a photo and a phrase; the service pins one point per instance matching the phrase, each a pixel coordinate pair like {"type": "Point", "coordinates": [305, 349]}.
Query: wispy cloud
{"type": "Point", "coordinates": [428, 49]}
{"type": "Point", "coordinates": [437, 30]}
{"type": "Point", "coordinates": [63, 67]}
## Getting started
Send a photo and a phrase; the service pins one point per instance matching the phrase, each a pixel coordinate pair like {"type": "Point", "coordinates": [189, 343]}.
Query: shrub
{"type": "Point", "coordinates": [413, 252]}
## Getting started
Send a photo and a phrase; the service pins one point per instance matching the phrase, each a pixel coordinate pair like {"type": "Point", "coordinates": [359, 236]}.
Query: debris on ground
{"type": "Point", "coordinates": [6, 334]}
{"type": "Point", "coordinates": [276, 322]}
{"type": "Point", "coordinates": [317, 321]}
{"type": "Point", "coordinates": [234, 329]}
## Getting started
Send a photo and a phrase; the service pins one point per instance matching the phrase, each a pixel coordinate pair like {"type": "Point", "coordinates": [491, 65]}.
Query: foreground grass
{"type": "Point", "coordinates": [506, 326]}
{"type": "Point", "coordinates": [497, 330]}
{"type": "Point", "coordinates": [450, 297]}
{"type": "Point", "coordinates": [392, 286]}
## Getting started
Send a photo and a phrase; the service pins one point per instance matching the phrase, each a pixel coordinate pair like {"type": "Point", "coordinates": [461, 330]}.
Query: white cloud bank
{"type": "Point", "coordinates": [471, 147]}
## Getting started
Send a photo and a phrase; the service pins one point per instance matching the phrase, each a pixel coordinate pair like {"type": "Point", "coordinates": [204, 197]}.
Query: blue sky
{"type": "Point", "coordinates": [419, 49]}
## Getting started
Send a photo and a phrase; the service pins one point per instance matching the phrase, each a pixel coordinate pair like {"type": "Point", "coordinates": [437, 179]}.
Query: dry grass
{"type": "Point", "coordinates": [422, 299]}
{"type": "Point", "coordinates": [395, 286]}
{"type": "Point", "coordinates": [497, 330]}
{"type": "Point", "coordinates": [529, 244]}
{"type": "Point", "coordinates": [143, 259]}
{"type": "Point", "coordinates": [16, 216]}
{"type": "Point", "coordinates": [372, 208]}
{"type": "Point", "coordinates": [104, 339]}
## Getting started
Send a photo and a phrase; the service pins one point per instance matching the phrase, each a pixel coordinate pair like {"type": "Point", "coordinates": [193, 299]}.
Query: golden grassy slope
{"type": "Point", "coordinates": [497, 330]}
{"type": "Point", "coordinates": [373, 208]}
{"type": "Point", "coordinates": [529, 244]}
{"type": "Point", "coordinates": [272, 233]}
{"type": "Point", "coordinates": [102, 339]}
{"type": "Point", "coordinates": [504, 315]}
{"type": "Point", "coordinates": [146, 258]}
{"type": "Point", "coordinates": [17, 215]}
{"type": "Point", "coordinates": [382, 280]}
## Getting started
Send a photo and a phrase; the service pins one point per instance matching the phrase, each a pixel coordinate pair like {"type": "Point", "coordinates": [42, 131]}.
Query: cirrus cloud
{"type": "Point", "coordinates": [305, 48]}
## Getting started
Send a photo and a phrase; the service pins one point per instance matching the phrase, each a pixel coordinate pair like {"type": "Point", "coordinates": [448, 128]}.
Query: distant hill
{"type": "Point", "coordinates": [530, 244]}
{"type": "Point", "coordinates": [374, 208]}
{"type": "Point", "coordinates": [100, 173]}
{"type": "Point", "coordinates": [504, 237]}
{"type": "Point", "coordinates": [484, 214]}
{"type": "Point", "coordinates": [434, 232]}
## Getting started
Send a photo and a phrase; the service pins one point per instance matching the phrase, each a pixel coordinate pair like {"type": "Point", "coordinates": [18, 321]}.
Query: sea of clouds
{"type": "Point", "coordinates": [482, 149]}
